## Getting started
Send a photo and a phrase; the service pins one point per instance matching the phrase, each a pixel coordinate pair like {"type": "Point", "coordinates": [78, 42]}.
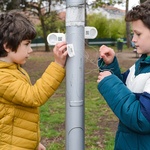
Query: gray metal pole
{"type": "Point", "coordinates": [75, 24]}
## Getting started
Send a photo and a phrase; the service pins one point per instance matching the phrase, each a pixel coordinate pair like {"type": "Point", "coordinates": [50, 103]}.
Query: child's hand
{"type": "Point", "coordinates": [41, 147]}
{"type": "Point", "coordinates": [107, 54]}
{"type": "Point", "coordinates": [60, 53]}
{"type": "Point", "coordinates": [102, 75]}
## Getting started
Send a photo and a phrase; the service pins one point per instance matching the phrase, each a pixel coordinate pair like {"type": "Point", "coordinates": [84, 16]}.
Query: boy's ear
{"type": "Point", "coordinates": [6, 48]}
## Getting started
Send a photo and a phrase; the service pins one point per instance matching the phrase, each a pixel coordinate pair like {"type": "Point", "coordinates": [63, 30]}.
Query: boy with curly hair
{"type": "Point", "coordinates": [128, 94]}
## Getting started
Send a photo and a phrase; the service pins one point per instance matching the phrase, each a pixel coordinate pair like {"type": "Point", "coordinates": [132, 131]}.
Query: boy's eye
{"type": "Point", "coordinates": [27, 43]}
{"type": "Point", "coordinates": [138, 34]}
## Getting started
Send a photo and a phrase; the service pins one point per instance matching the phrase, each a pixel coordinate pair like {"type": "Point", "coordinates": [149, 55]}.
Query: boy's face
{"type": "Point", "coordinates": [141, 37]}
{"type": "Point", "coordinates": [22, 54]}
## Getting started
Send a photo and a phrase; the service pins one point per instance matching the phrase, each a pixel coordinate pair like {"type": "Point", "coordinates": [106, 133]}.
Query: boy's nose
{"type": "Point", "coordinates": [134, 39]}
{"type": "Point", "coordinates": [30, 50]}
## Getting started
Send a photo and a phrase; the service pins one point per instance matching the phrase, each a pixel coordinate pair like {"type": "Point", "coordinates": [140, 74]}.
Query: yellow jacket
{"type": "Point", "coordinates": [19, 103]}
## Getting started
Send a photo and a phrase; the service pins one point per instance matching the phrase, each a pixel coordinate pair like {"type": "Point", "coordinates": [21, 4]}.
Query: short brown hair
{"type": "Point", "coordinates": [14, 28]}
{"type": "Point", "coordinates": [140, 12]}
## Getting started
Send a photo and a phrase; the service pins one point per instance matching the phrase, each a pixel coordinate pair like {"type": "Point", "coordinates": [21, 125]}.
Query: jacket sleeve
{"type": "Point", "coordinates": [113, 67]}
{"type": "Point", "coordinates": [144, 99]}
{"type": "Point", "coordinates": [124, 104]}
{"type": "Point", "coordinates": [17, 91]}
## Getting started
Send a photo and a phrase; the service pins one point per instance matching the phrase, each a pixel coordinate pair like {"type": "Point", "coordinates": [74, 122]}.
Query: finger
{"type": "Point", "coordinates": [60, 44]}
{"type": "Point", "coordinates": [65, 53]}
{"type": "Point", "coordinates": [98, 80]}
{"type": "Point", "coordinates": [63, 48]}
{"type": "Point", "coordinates": [99, 77]}
{"type": "Point", "coordinates": [102, 47]}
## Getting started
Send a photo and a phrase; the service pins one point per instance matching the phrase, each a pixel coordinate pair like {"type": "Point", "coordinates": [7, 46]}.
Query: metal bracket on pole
{"type": "Point", "coordinates": [53, 38]}
{"type": "Point", "coordinates": [89, 33]}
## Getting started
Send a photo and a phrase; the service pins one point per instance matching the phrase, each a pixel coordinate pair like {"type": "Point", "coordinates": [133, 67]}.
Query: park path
{"type": "Point", "coordinates": [126, 59]}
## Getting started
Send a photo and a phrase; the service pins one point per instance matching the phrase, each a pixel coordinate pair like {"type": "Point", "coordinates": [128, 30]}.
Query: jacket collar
{"type": "Point", "coordinates": [4, 65]}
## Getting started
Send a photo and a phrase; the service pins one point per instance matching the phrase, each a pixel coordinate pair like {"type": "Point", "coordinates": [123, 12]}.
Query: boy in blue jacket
{"type": "Point", "coordinates": [128, 94]}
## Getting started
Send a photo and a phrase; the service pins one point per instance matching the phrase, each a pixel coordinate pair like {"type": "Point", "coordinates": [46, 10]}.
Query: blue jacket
{"type": "Point", "coordinates": [128, 95]}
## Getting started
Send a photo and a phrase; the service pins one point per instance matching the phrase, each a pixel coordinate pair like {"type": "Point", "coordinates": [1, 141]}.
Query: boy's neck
{"type": "Point", "coordinates": [4, 59]}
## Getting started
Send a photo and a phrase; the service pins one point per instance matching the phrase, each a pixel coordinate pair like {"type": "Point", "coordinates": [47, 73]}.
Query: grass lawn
{"type": "Point", "coordinates": [100, 122]}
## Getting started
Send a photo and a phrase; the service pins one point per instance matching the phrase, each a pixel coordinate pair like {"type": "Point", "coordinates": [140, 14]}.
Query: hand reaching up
{"type": "Point", "coordinates": [60, 53]}
{"type": "Point", "coordinates": [107, 54]}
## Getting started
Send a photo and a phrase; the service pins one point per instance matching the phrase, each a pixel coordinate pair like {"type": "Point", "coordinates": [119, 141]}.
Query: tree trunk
{"type": "Point", "coordinates": [44, 34]}
{"type": "Point", "coordinates": [128, 27]}
{"type": "Point", "coordinates": [141, 1]}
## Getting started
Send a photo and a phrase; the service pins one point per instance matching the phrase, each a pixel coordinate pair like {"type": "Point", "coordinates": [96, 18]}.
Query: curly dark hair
{"type": "Point", "coordinates": [140, 12]}
{"type": "Point", "coordinates": [14, 28]}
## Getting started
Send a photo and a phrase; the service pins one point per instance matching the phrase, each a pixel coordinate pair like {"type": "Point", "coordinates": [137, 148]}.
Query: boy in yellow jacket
{"type": "Point", "coordinates": [19, 99]}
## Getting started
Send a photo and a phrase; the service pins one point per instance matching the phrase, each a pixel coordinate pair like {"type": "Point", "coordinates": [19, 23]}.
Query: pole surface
{"type": "Point", "coordinates": [75, 24]}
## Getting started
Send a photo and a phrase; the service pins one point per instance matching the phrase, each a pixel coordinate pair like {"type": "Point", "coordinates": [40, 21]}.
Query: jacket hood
{"type": "Point", "coordinates": [8, 65]}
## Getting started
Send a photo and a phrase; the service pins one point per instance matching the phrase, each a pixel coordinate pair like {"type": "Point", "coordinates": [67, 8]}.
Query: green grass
{"type": "Point", "coordinates": [99, 133]}
{"type": "Point", "coordinates": [53, 119]}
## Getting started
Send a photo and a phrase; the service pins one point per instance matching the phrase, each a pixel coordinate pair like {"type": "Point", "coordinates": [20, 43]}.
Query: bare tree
{"type": "Point", "coordinates": [37, 9]}
{"type": "Point", "coordinates": [9, 4]}
{"type": "Point", "coordinates": [128, 33]}
{"type": "Point", "coordinates": [141, 1]}
{"type": "Point", "coordinates": [128, 24]}
{"type": "Point", "coordinates": [42, 9]}
{"type": "Point", "coordinates": [101, 3]}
